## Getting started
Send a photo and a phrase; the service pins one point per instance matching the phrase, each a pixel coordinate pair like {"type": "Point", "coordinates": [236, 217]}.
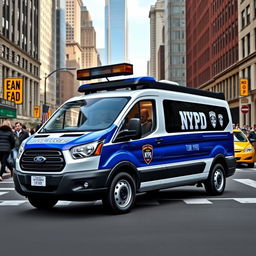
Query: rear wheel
{"type": "Point", "coordinates": [121, 194]}
{"type": "Point", "coordinates": [251, 165]}
{"type": "Point", "coordinates": [216, 182]}
{"type": "Point", "coordinates": [42, 203]}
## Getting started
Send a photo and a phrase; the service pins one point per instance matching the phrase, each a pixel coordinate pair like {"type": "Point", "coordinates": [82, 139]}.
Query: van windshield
{"type": "Point", "coordinates": [85, 115]}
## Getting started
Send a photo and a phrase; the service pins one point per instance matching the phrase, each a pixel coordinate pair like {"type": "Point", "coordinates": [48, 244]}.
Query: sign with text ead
{"type": "Point", "coordinates": [244, 87]}
{"type": "Point", "coordinates": [13, 90]}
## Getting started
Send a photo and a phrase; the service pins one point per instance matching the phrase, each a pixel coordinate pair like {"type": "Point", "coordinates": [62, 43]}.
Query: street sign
{"type": "Point", "coordinates": [13, 90]}
{"type": "Point", "coordinates": [244, 88]}
{"type": "Point", "coordinates": [245, 109]}
{"type": "Point", "coordinates": [244, 100]}
{"type": "Point", "coordinates": [36, 111]}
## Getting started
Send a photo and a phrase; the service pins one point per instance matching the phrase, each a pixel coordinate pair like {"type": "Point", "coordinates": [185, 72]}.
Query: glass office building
{"type": "Point", "coordinates": [116, 31]}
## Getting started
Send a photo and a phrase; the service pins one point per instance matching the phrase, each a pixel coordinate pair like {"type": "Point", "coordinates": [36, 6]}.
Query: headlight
{"type": "Point", "coordinates": [90, 149]}
{"type": "Point", "coordinates": [20, 151]}
{"type": "Point", "coordinates": [248, 150]}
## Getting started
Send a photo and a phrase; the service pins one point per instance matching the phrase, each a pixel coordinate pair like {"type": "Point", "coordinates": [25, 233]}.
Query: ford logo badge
{"type": "Point", "coordinates": [39, 159]}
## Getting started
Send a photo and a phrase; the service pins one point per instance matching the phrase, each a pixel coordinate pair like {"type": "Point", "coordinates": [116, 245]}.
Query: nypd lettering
{"type": "Point", "coordinates": [187, 116]}
{"type": "Point", "coordinates": [192, 120]}
{"type": "Point", "coordinates": [147, 152]}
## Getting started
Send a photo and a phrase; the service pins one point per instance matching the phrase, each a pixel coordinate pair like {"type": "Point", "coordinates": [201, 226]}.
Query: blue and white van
{"type": "Point", "coordinates": [124, 137]}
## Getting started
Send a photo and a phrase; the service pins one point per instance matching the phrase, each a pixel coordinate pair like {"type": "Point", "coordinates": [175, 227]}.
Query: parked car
{"type": "Point", "coordinates": [244, 151]}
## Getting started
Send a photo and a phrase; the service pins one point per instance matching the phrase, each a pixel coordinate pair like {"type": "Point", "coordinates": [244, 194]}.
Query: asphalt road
{"type": "Point", "coordinates": [179, 221]}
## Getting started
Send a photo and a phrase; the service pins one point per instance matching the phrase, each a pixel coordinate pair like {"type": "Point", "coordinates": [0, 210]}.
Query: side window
{"type": "Point", "coordinates": [145, 111]}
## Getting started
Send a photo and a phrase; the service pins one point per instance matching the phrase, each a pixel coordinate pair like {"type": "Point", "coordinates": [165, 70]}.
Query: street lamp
{"type": "Point", "coordinates": [46, 76]}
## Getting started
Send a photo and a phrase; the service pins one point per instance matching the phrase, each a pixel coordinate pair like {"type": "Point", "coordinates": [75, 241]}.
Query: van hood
{"type": "Point", "coordinates": [65, 141]}
{"type": "Point", "coordinates": [240, 146]}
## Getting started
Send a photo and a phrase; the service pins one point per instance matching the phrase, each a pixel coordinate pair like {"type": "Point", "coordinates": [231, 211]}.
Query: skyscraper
{"type": "Point", "coordinates": [175, 41]}
{"type": "Point", "coordinates": [19, 51]}
{"type": "Point", "coordinates": [116, 31]}
{"type": "Point", "coordinates": [88, 40]}
{"type": "Point", "coordinates": [156, 15]}
{"type": "Point", "coordinates": [48, 52]}
{"type": "Point", "coordinates": [60, 44]}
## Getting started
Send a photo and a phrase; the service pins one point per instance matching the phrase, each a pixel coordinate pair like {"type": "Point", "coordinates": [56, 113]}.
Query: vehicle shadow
{"type": "Point", "coordinates": [96, 208]}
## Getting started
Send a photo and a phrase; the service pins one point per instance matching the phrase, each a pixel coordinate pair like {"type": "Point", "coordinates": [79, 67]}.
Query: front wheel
{"type": "Point", "coordinates": [42, 203]}
{"type": "Point", "coordinates": [216, 182]}
{"type": "Point", "coordinates": [121, 194]}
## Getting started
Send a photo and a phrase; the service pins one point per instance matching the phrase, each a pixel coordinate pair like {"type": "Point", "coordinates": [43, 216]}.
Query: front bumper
{"type": "Point", "coordinates": [67, 186]}
{"type": "Point", "coordinates": [245, 157]}
{"type": "Point", "coordinates": [231, 166]}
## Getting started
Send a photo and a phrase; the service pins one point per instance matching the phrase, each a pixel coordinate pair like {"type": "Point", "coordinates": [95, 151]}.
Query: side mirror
{"type": "Point", "coordinates": [133, 131]}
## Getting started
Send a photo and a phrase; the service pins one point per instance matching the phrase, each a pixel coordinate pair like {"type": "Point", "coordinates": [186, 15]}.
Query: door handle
{"type": "Point", "coordinates": [158, 141]}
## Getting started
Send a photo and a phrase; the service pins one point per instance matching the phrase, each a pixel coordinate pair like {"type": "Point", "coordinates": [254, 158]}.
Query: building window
{"type": "Point", "coordinates": [248, 15]}
{"type": "Point", "coordinates": [243, 47]}
{"type": "Point", "coordinates": [243, 18]}
{"type": "Point", "coordinates": [254, 7]}
{"type": "Point", "coordinates": [248, 44]}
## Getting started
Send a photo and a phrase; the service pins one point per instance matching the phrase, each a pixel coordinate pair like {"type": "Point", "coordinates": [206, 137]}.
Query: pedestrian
{"type": "Point", "coordinates": [7, 143]}
{"type": "Point", "coordinates": [19, 135]}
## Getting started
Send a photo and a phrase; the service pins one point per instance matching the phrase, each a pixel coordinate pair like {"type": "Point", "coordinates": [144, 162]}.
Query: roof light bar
{"type": "Point", "coordinates": [105, 71]}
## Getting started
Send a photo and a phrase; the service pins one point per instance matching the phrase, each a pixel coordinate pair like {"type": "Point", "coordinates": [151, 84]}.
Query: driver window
{"type": "Point", "coordinates": [145, 111]}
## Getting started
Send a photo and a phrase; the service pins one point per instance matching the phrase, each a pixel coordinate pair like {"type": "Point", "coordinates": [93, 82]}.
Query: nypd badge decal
{"type": "Point", "coordinates": [147, 152]}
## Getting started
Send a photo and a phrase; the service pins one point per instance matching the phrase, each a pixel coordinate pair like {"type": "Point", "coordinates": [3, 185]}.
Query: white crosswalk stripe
{"type": "Point", "coordinates": [188, 201]}
{"type": "Point", "coordinates": [248, 182]}
{"type": "Point", "coordinates": [3, 193]}
{"type": "Point", "coordinates": [12, 202]}
{"type": "Point", "coordinates": [6, 189]}
{"type": "Point", "coordinates": [246, 200]}
{"type": "Point", "coordinates": [197, 201]}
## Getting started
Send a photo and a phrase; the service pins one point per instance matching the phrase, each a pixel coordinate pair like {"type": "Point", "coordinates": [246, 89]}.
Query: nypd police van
{"type": "Point", "coordinates": [124, 137]}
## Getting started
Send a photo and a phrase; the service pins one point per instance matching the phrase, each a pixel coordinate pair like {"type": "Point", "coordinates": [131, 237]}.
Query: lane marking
{"type": "Point", "coordinates": [12, 202]}
{"type": "Point", "coordinates": [197, 201]}
{"type": "Point", "coordinates": [3, 193]}
{"type": "Point", "coordinates": [63, 203]}
{"type": "Point", "coordinates": [6, 182]}
{"type": "Point", "coordinates": [4, 189]}
{"type": "Point", "coordinates": [248, 182]}
{"type": "Point", "coordinates": [246, 200]}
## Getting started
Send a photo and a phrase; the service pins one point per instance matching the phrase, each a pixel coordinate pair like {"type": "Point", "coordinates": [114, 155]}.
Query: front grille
{"type": "Point", "coordinates": [54, 160]}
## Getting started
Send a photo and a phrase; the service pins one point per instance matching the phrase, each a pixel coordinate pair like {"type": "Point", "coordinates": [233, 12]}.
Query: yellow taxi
{"type": "Point", "coordinates": [244, 151]}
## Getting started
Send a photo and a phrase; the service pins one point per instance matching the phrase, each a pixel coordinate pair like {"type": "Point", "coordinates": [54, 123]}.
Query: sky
{"type": "Point", "coordinates": [138, 30]}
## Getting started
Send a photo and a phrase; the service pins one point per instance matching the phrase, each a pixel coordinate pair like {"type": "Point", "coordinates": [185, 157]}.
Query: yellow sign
{"type": "Point", "coordinates": [13, 90]}
{"type": "Point", "coordinates": [36, 111]}
{"type": "Point", "coordinates": [49, 113]}
{"type": "Point", "coordinates": [244, 88]}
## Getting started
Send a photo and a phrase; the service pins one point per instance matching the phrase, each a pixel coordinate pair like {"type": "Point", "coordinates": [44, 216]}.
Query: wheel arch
{"type": "Point", "coordinates": [220, 159]}
{"type": "Point", "coordinates": [127, 167]}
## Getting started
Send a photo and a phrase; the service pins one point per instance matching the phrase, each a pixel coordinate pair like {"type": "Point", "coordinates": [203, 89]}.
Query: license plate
{"type": "Point", "coordinates": [38, 181]}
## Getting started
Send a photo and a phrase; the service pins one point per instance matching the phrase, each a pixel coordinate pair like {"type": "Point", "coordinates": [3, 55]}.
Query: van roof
{"type": "Point", "coordinates": [139, 83]}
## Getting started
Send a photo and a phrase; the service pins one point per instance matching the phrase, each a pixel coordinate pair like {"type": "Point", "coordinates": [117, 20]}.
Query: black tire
{"type": "Point", "coordinates": [251, 165]}
{"type": "Point", "coordinates": [216, 182]}
{"type": "Point", "coordinates": [121, 193]}
{"type": "Point", "coordinates": [42, 203]}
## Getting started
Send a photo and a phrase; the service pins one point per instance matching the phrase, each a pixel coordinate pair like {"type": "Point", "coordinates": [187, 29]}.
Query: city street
{"type": "Point", "coordinates": [179, 221]}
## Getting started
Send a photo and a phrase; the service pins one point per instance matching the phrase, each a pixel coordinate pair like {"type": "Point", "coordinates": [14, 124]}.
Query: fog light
{"type": "Point", "coordinates": [86, 185]}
